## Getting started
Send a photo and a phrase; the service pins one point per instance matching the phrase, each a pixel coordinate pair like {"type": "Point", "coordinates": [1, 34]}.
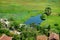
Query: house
{"type": "Point", "coordinates": [53, 36]}
{"type": "Point", "coordinates": [42, 37]}
{"type": "Point", "coordinates": [5, 37]}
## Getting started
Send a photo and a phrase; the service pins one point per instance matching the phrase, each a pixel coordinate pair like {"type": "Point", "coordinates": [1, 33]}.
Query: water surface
{"type": "Point", "coordinates": [34, 19]}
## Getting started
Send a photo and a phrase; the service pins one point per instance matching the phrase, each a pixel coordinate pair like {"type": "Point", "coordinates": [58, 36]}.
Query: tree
{"type": "Point", "coordinates": [28, 34]}
{"type": "Point", "coordinates": [45, 30]}
{"type": "Point", "coordinates": [47, 11]}
{"type": "Point", "coordinates": [4, 31]}
{"type": "Point", "coordinates": [16, 37]}
{"type": "Point", "coordinates": [15, 25]}
{"type": "Point", "coordinates": [43, 17]}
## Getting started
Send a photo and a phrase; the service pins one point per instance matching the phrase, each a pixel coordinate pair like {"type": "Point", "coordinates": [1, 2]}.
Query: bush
{"type": "Point", "coordinates": [1, 26]}
{"type": "Point", "coordinates": [15, 25]}
{"type": "Point", "coordinates": [43, 17]}
{"type": "Point", "coordinates": [4, 31]}
{"type": "Point", "coordinates": [16, 37]}
{"type": "Point", "coordinates": [55, 24]}
{"type": "Point", "coordinates": [47, 11]}
{"type": "Point", "coordinates": [11, 19]}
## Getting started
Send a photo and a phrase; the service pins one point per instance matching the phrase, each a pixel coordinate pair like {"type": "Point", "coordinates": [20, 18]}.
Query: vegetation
{"type": "Point", "coordinates": [18, 11]}
{"type": "Point", "coordinates": [48, 11]}
{"type": "Point", "coordinates": [43, 16]}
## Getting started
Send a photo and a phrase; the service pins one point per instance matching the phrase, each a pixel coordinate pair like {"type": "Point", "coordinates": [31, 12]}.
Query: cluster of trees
{"type": "Point", "coordinates": [27, 33]}
{"type": "Point", "coordinates": [46, 13]}
{"type": "Point", "coordinates": [30, 32]}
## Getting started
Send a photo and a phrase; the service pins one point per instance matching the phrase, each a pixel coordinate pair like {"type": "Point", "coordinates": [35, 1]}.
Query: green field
{"type": "Point", "coordinates": [20, 9]}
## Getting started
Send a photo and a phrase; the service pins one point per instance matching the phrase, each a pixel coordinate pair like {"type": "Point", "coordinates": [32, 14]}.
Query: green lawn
{"type": "Point", "coordinates": [21, 10]}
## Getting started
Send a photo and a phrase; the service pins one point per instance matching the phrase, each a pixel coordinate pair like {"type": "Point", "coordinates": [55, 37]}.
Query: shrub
{"type": "Point", "coordinates": [43, 17]}
{"type": "Point", "coordinates": [11, 19]}
{"type": "Point", "coordinates": [47, 11]}
{"type": "Point", "coordinates": [55, 24]}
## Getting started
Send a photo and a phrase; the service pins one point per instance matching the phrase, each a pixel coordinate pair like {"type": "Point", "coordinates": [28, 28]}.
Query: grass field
{"type": "Point", "coordinates": [21, 10]}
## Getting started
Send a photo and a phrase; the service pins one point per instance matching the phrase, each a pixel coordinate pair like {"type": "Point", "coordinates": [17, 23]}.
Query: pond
{"type": "Point", "coordinates": [34, 19]}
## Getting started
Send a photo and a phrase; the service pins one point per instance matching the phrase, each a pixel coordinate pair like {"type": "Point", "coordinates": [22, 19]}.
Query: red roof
{"type": "Point", "coordinates": [54, 35]}
{"type": "Point", "coordinates": [5, 37]}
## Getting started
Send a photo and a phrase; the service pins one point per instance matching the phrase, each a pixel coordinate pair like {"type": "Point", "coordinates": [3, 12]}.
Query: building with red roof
{"type": "Point", "coordinates": [5, 37]}
{"type": "Point", "coordinates": [54, 36]}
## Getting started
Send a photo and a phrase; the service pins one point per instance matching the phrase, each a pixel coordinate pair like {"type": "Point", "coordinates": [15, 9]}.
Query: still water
{"type": "Point", "coordinates": [34, 19]}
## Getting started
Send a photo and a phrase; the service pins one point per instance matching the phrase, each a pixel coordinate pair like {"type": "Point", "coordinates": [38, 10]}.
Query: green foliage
{"type": "Point", "coordinates": [1, 25]}
{"type": "Point", "coordinates": [43, 17]}
{"type": "Point", "coordinates": [45, 30]}
{"type": "Point", "coordinates": [32, 25]}
{"type": "Point", "coordinates": [16, 37]}
{"type": "Point", "coordinates": [11, 19]}
{"type": "Point", "coordinates": [48, 11]}
{"type": "Point", "coordinates": [4, 31]}
{"type": "Point", "coordinates": [55, 24]}
{"type": "Point", "coordinates": [28, 33]}
{"type": "Point", "coordinates": [15, 25]}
